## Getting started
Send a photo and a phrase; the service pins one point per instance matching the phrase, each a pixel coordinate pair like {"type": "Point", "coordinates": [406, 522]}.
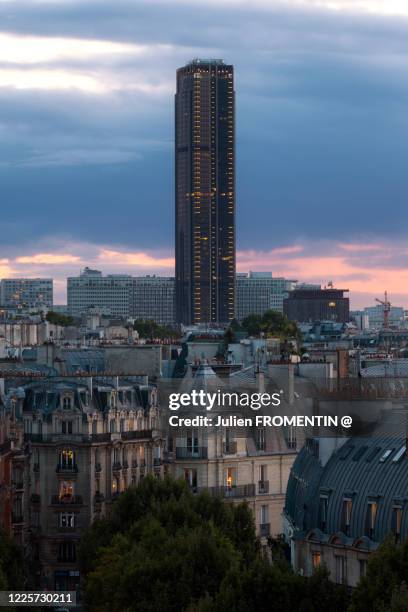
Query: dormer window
{"type": "Point", "coordinates": [370, 519]}
{"type": "Point", "coordinates": [66, 403]}
{"type": "Point", "coordinates": [346, 515]}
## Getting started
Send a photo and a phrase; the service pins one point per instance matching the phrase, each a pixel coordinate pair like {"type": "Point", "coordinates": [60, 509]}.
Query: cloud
{"type": "Point", "coordinates": [139, 259]}
{"type": "Point", "coordinates": [48, 259]}
{"type": "Point", "coordinates": [316, 262]}
{"type": "Point", "coordinates": [86, 130]}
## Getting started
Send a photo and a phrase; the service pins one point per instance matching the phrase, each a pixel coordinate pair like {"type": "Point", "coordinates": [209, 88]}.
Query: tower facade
{"type": "Point", "coordinates": [205, 192]}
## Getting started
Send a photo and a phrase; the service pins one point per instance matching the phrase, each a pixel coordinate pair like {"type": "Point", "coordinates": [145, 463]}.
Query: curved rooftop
{"type": "Point", "coordinates": [363, 471]}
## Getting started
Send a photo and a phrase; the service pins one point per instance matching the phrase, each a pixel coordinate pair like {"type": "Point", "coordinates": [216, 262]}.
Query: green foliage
{"type": "Point", "coordinates": [166, 549]}
{"type": "Point", "coordinates": [57, 318]}
{"type": "Point", "coordinates": [149, 329]}
{"type": "Point", "coordinates": [271, 323]}
{"type": "Point", "coordinates": [384, 589]}
{"type": "Point", "coordinates": [11, 564]}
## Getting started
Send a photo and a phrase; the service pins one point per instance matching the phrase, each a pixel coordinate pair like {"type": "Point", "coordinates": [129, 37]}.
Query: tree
{"type": "Point", "coordinates": [271, 323]}
{"type": "Point", "coordinates": [383, 589]}
{"type": "Point", "coordinates": [56, 318]}
{"type": "Point", "coordinates": [148, 328]}
{"type": "Point", "coordinates": [165, 549]}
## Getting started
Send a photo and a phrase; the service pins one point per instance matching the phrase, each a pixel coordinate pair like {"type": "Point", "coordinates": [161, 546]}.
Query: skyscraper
{"type": "Point", "coordinates": [205, 192]}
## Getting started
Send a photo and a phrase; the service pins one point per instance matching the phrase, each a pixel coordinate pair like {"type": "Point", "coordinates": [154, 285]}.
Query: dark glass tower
{"type": "Point", "coordinates": [205, 192]}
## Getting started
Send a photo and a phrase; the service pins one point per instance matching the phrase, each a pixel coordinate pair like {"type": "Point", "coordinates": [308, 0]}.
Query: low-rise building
{"type": "Point", "coordinates": [341, 505]}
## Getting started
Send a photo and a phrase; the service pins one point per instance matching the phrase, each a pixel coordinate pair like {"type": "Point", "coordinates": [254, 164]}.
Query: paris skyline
{"type": "Point", "coordinates": [86, 95]}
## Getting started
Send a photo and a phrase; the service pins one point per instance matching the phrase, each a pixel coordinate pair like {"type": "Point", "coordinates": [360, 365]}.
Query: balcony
{"type": "Point", "coordinates": [199, 452]}
{"type": "Point", "coordinates": [17, 518]}
{"type": "Point", "coordinates": [125, 465]}
{"type": "Point", "coordinates": [71, 469]}
{"type": "Point", "coordinates": [75, 500]}
{"type": "Point", "coordinates": [263, 487]}
{"type": "Point", "coordinates": [134, 464]}
{"type": "Point", "coordinates": [35, 498]}
{"type": "Point", "coordinates": [157, 462]}
{"type": "Point", "coordinates": [143, 463]}
{"type": "Point", "coordinates": [98, 467]}
{"type": "Point", "coordinates": [138, 434]}
{"type": "Point", "coordinates": [230, 448]}
{"type": "Point", "coordinates": [237, 491]}
{"type": "Point", "coordinates": [18, 484]}
{"type": "Point", "coordinates": [117, 466]}
{"type": "Point", "coordinates": [100, 437]}
{"type": "Point", "coordinates": [264, 529]}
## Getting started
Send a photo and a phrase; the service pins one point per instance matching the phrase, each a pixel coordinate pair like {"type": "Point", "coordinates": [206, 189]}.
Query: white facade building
{"type": "Point", "coordinates": [376, 316]}
{"type": "Point", "coordinates": [111, 293]}
{"type": "Point", "coordinates": [145, 297]}
{"type": "Point", "coordinates": [257, 292]}
{"type": "Point", "coordinates": [153, 298]}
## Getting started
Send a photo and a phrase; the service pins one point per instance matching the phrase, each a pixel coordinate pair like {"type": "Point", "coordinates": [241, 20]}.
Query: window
{"type": "Point", "coordinates": [323, 506]}
{"type": "Point", "coordinates": [67, 459]}
{"type": "Point", "coordinates": [67, 427]}
{"type": "Point", "coordinates": [94, 426]}
{"type": "Point", "coordinates": [396, 522]}
{"type": "Point", "coordinates": [67, 520]}
{"type": "Point", "coordinates": [260, 438]}
{"type": "Point", "coordinates": [316, 559]}
{"type": "Point", "coordinates": [67, 552]}
{"type": "Point", "coordinates": [370, 519]}
{"type": "Point", "coordinates": [66, 403]}
{"type": "Point", "coordinates": [17, 510]}
{"type": "Point", "coordinates": [346, 515]}
{"type": "Point", "coordinates": [399, 454]}
{"type": "Point", "coordinates": [363, 567]}
{"type": "Point", "coordinates": [112, 426]}
{"type": "Point", "coordinates": [190, 476]}
{"type": "Point", "coordinates": [122, 425]}
{"type": "Point", "coordinates": [230, 477]}
{"type": "Point", "coordinates": [385, 456]}
{"type": "Point", "coordinates": [192, 443]}
{"type": "Point", "coordinates": [341, 569]}
{"type": "Point", "coordinates": [66, 490]}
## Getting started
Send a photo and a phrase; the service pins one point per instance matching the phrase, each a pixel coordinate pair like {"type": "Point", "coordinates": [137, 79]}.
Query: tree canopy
{"type": "Point", "coordinates": [384, 588]}
{"type": "Point", "coordinates": [165, 549]}
{"type": "Point", "coordinates": [149, 329]}
{"type": "Point", "coordinates": [58, 318]}
{"type": "Point", "coordinates": [271, 323]}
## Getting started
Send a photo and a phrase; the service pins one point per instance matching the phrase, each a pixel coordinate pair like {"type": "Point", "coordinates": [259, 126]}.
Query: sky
{"type": "Point", "coordinates": [86, 136]}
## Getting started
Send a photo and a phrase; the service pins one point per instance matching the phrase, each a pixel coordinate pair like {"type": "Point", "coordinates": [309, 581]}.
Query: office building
{"type": "Point", "coordinates": [307, 305]}
{"type": "Point", "coordinates": [205, 192]}
{"type": "Point", "coordinates": [257, 292]}
{"type": "Point", "coordinates": [153, 298]}
{"type": "Point", "coordinates": [26, 292]}
{"type": "Point", "coordinates": [111, 293]}
{"type": "Point", "coordinates": [144, 297]}
{"type": "Point", "coordinates": [375, 316]}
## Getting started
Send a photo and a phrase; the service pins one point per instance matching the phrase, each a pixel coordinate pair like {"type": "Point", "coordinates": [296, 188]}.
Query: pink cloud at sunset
{"type": "Point", "coordinates": [367, 269]}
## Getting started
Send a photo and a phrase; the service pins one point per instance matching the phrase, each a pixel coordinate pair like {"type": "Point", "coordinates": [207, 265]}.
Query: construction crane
{"type": "Point", "coordinates": [386, 310]}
